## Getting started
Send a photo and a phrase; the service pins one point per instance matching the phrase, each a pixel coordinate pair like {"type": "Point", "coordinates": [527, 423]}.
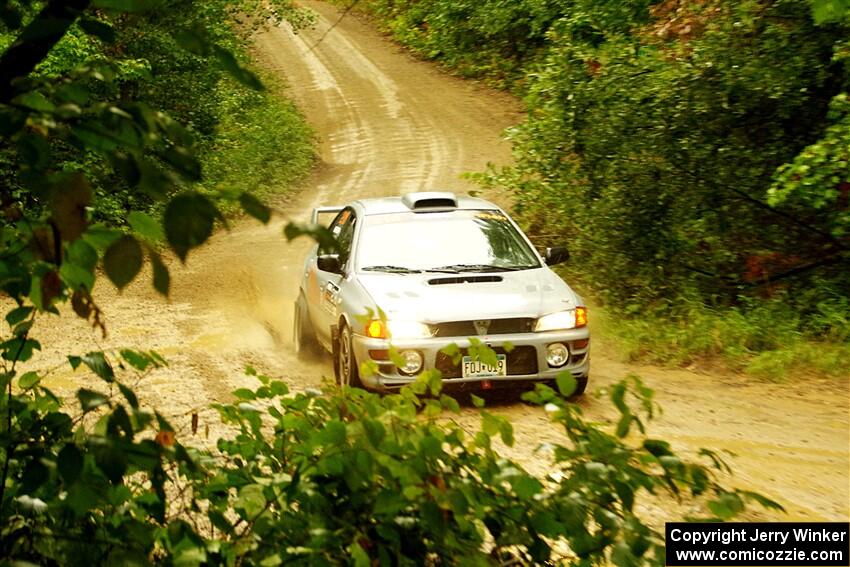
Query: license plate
{"type": "Point", "coordinates": [477, 369]}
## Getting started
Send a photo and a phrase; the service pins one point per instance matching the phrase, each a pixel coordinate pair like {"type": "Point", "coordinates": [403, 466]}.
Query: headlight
{"type": "Point", "coordinates": [399, 329]}
{"type": "Point", "coordinates": [408, 330]}
{"type": "Point", "coordinates": [562, 320]}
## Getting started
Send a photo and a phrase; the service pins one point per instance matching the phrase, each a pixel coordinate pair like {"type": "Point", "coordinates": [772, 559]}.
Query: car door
{"type": "Point", "coordinates": [327, 284]}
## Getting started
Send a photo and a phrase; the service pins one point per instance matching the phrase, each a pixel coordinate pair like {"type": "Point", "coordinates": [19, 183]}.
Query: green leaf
{"type": "Point", "coordinates": [566, 384]}
{"type": "Point", "coordinates": [136, 359]}
{"type": "Point", "coordinates": [34, 101]}
{"type": "Point", "coordinates": [254, 207]}
{"type": "Point", "coordinates": [28, 380]}
{"type": "Point", "coordinates": [100, 236]}
{"type": "Point", "coordinates": [90, 400]}
{"type": "Point", "coordinates": [184, 162]}
{"type": "Point", "coordinates": [476, 401]}
{"type": "Point", "coordinates": [129, 395]}
{"type": "Point", "coordinates": [359, 555]}
{"type": "Point", "coordinates": [70, 464]}
{"type": "Point", "coordinates": [161, 277]}
{"type": "Point", "coordinates": [231, 65]}
{"type": "Point", "coordinates": [829, 11]}
{"type": "Point", "coordinates": [145, 226]}
{"type": "Point", "coordinates": [251, 500]}
{"type": "Point", "coordinates": [112, 461]}
{"type": "Point", "coordinates": [333, 433]}
{"type": "Point", "coordinates": [98, 364]}
{"type": "Point", "coordinates": [189, 220]}
{"type": "Point", "coordinates": [17, 315]}
{"type": "Point", "coordinates": [123, 261]}
{"type": "Point", "coordinates": [525, 486]}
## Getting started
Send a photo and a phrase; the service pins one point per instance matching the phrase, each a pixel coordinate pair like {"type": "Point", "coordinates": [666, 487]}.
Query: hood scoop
{"type": "Point", "coordinates": [464, 279]}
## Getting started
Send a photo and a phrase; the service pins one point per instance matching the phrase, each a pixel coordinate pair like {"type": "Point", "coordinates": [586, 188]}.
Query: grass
{"type": "Point", "coordinates": [262, 145]}
{"type": "Point", "coordinates": [768, 339]}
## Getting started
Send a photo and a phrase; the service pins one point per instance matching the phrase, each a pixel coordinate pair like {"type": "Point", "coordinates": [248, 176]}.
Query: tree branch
{"type": "Point", "coordinates": [35, 41]}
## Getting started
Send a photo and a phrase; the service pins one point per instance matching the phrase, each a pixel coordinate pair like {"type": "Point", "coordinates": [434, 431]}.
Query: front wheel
{"type": "Point", "coordinates": [346, 363]}
{"type": "Point", "coordinates": [581, 386]}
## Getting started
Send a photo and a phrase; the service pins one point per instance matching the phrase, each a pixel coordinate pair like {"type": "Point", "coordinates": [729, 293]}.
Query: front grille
{"type": "Point", "coordinates": [497, 327]}
{"type": "Point", "coordinates": [521, 360]}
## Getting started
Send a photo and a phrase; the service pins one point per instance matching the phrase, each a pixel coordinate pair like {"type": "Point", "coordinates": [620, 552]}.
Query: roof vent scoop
{"type": "Point", "coordinates": [430, 201]}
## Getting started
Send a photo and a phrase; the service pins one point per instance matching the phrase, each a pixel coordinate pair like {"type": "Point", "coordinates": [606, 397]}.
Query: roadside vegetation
{"type": "Point", "coordinates": [129, 126]}
{"type": "Point", "coordinates": [693, 155]}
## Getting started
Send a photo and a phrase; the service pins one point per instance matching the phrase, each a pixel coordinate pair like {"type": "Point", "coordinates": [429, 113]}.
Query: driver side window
{"type": "Point", "coordinates": [342, 228]}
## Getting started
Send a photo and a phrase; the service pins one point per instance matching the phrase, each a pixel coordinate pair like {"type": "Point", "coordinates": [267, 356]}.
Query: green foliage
{"type": "Point", "coordinates": [690, 152]}
{"type": "Point", "coordinates": [325, 479]}
{"type": "Point", "coordinates": [770, 339]}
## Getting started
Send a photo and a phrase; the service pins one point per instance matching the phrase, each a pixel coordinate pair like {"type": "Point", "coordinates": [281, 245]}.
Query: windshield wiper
{"type": "Point", "coordinates": [391, 269]}
{"type": "Point", "coordinates": [457, 268]}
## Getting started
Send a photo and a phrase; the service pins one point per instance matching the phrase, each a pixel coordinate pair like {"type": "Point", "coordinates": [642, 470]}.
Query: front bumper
{"type": "Point", "coordinates": [528, 349]}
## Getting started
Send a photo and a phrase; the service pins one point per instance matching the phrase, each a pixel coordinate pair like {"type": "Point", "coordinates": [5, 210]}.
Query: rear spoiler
{"type": "Point", "coordinates": [324, 210]}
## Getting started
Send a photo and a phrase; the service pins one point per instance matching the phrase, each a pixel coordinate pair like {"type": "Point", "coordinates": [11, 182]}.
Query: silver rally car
{"type": "Point", "coordinates": [440, 269]}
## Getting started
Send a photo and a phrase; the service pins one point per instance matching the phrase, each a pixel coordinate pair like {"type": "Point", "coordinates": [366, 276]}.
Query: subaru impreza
{"type": "Point", "coordinates": [410, 276]}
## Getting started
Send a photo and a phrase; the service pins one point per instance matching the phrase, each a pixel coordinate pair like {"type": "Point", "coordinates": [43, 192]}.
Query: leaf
{"type": "Point", "coordinates": [251, 500]}
{"type": "Point", "coordinates": [333, 433]}
{"type": "Point", "coordinates": [189, 219]}
{"type": "Point", "coordinates": [136, 359]}
{"type": "Point", "coordinates": [68, 202]}
{"type": "Point", "coordinates": [161, 277]}
{"type": "Point", "coordinates": [97, 28]}
{"type": "Point", "coordinates": [123, 261]}
{"type": "Point", "coordinates": [90, 400]}
{"type": "Point", "coordinates": [19, 349]}
{"type": "Point", "coordinates": [34, 101]}
{"type": "Point", "coordinates": [254, 207]}
{"type": "Point", "coordinates": [112, 461]}
{"type": "Point", "coordinates": [129, 395]}
{"type": "Point", "coordinates": [566, 384]}
{"type": "Point", "coordinates": [184, 162]}
{"type": "Point", "coordinates": [17, 315]}
{"type": "Point", "coordinates": [70, 464]}
{"type": "Point", "coordinates": [829, 11]}
{"type": "Point", "coordinates": [476, 401]}
{"type": "Point", "coordinates": [145, 226]}
{"type": "Point", "coordinates": [231, 65]}
{"type": "Point", "coordinates": [525, 486]}
{"type": "Point", "coordinates": [98, 364]}
{"type": "Point", "coordinates": [28, 380]}
{"type": "Point", "coordinates": [100, 236]}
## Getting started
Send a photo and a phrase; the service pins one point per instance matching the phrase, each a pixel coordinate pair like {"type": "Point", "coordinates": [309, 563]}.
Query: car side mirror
{"type": "Point", "coordinates": [329, 263]}
{"type": "Point", "coordinates": [556, 255]}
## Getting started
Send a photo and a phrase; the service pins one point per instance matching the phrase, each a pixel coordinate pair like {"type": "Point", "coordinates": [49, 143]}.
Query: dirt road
{"type": "Point", "coordinates": [387, 124]}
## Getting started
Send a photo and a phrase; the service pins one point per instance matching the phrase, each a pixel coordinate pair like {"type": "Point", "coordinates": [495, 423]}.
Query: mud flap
{"type": "Point", "coordinates": [335, 351]}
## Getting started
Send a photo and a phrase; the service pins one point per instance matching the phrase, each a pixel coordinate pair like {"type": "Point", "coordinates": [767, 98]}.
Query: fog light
{"type": "Point", "coordinates": [557, 354]}
{"type": "Point", "coordinates": [412, 362]}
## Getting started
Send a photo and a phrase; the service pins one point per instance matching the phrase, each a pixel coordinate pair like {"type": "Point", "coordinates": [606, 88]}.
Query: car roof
{"type": "Point", "coordinates": [396, 204]}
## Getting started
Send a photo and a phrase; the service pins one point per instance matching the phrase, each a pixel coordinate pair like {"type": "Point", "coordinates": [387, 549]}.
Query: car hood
{"type": "Point", "coordinates": [437, 297]}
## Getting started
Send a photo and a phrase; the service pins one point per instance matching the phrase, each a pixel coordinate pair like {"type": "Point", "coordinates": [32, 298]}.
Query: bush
{"type": "Point", "coordinates": [335, 478]}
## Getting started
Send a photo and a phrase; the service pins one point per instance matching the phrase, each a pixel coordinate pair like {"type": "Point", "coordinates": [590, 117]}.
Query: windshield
{"type": "Point", "coordinates": [455, 241]}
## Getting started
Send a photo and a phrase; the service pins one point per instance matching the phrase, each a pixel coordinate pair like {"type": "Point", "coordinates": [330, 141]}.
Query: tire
{"type": "Point", "coordinates": [303, 337]}
{"type": "Point", "coordinates": [346, 363]}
